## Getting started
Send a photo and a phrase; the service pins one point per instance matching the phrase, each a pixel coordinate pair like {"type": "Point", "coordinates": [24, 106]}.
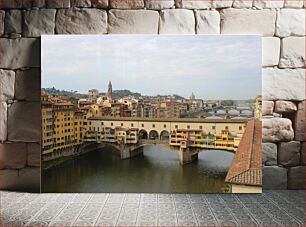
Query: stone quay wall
{"type": "Point", "coordinates": [281, 23]}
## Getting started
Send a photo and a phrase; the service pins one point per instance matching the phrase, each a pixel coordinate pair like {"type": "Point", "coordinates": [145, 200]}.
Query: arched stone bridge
{"type": "Point", "coordinates": [127, 151]}
{"type": "Point", "coordinates": [157, 131]}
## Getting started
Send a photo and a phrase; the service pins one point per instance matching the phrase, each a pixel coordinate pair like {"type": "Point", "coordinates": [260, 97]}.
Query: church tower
{"type": "Point", "coordinates": [109, 93]}
{"type": "Point", "coordinates": [192, 97]}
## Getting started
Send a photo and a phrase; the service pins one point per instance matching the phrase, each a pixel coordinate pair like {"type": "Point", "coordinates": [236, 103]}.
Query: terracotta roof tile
{"type": "Point", "coordinates": [246, 166]}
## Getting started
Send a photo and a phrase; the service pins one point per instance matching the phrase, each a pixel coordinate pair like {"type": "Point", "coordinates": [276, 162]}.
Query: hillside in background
{"type": "Point", "coordinates": [117, 94]}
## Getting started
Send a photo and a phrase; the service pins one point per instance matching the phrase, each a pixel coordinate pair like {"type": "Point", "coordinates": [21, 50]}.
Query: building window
{"type": "Point", "coordinates": [240, 128]}
{"type": "Point", "coordinates": [213, 127]}
{"type": "Point", "coordinates": [153, 125]}
{"type": "Point", "coordinates": [165, 126]}
{"type": "Point", "coordinates": [201, 127]}
{"type": "Point", "coordinates": [176, 127]}
{"type": "Point", "coordinates": [112, 124]}
{"type": "Point", "coordinates": [90, 123]}
{"type": "Point", "coordinates": [188, 126]}
{"type": "Point", "coordinates": [121, 124]}
{"type": "Point", "coordinates": [132, 125]}
{"type": "Point", "coordinates": [226, 127]}
{"type": "Point", "coordinates": [142, 125]}
{"type": "Point", "coordinates": [102, 123]}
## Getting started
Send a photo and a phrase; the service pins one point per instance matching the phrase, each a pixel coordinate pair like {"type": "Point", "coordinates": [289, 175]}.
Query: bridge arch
{"type": "Point", "coordinates": [153, 135]}
{"type": "Point", "coordinates": [164, 135]}
{"type": "Point", "coordinates": [143, 134]}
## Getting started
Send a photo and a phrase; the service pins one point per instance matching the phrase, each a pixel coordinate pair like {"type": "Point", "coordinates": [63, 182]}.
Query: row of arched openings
{"type": "Point", "coordinates": [154, 135]}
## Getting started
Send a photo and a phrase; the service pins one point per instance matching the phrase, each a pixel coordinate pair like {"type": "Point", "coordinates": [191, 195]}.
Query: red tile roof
{"type": "Point", "coordinates": [246, 166]}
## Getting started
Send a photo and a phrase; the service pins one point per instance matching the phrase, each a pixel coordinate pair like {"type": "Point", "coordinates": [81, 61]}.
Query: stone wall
{"type": "Point", "coordinates": [280, 22]}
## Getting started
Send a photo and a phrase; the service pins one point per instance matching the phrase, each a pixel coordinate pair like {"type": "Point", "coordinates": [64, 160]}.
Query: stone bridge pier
{"type": "Point", "coordinates": [128, 150]}
{"type": "Point", "coordinates": [186, 155]}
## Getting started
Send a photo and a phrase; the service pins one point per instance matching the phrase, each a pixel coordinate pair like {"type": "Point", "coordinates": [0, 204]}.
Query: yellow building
{"type": "Point", "coordinates": [126, 135]}
{"type": "Point", "coordinates": [64, 134]}
{"type": "Point", "coordinates": [62, 126]}
{"type": "Point", "coordinates": [47, 140]}
{"type": "Point", "coordinates": [79, 127]}
{"type": "Point", "coordinates": [200, 139]}
{"type": "Point", "coordinates": [227, 141]}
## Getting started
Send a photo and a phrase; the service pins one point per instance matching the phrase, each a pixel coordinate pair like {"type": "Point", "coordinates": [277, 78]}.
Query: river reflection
{"type": "Point", "coordinates": [157, 170]}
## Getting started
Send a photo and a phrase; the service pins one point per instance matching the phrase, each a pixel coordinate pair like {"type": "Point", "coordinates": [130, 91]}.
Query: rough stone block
{"type": "Point", "coordinates": [133, 22]}
{"type": "Point", "coordinates": [33, 158]}
{"type": "Point", "coordinates": [159, 4]}
{"type": "Point", "coordinates": [283, 84]}
{"type": "Point", "coordinates": [277, 129]}
{"type": "Point", "coordinates": [126, 4]}
{"type": "Point", "coordinates": [27, 85]}
{"type": "Point", "coordinates": [38, 22]}
{"type": "Point", "coordinates": [80, 3]}
{"type": "Point", "coordinates": [7, 85]}
{"type": "Point", "coordinates": [248, 21]}
{"type": "Point", "coordinates": [262, 4]}
{"type": "Point", "coordinates": [56, 4]}
{"type": "Point", "coordinates": [208, 22]}
{"type": "Point", "coordinates": [99, 3]}
{"type": "Point", "coordinates": [267, 107]}
{"type": "Point", "coordinates": [293, 4]}
{"type": "Point", "coordinates": [20, 53]}
{"type": "Point", "coordinates": [289, 153]}
{"type": "Point", "coordinates": [285, 107]}
{"type": "Point", "coordinates": [39, 3]}
{"type": "Point", "coordinates": [242, 4]}
{"type": "Point", "coordinates": [13, 155]}
{"type": "Point", "coordinates": [293, 52]}
{"type": "Point", "coordinates": [299, 122]}
{"type": "Point", "coordinates": [13, 21]}
{"type": "Point", "coordinates": [81, 21]}
{"type": "Point", "coordinates": [3, 121]}
{"type": "Point", "coordinates": [290, 22]}
{"type": "Point", "coordinates": [15, 4]}
{"type": "Point", "coordinates": [296, 178]}
{"type": "Point", "coordinates": [221, 3]}
{"type": "Point", "coordinates": [191, 4]}
{"type": "Point", "coordinates": [270, 51]}
{"type": "Point", "coordinates": [2, 15]}
{"type": "Point", "coordinates": [274, 177]}
{"type": "Point", "coordinates": [178, 21]}
{"type": "Point", "coordinates": [24, 122]}
{"type": "Point", "coordinates": [303, 151]}
{"type": "Point", "coordinates": [26, 179]}
{"type": "Point", "coordinates": [269, 154]}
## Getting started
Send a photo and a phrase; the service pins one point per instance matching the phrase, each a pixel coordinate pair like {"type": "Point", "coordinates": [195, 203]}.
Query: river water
{"type": "Point", "coordinates": [157, 170]}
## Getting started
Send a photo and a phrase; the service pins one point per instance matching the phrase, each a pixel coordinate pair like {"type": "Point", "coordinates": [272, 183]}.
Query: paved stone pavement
{"type": "Point", "coordinates": [272, 208]}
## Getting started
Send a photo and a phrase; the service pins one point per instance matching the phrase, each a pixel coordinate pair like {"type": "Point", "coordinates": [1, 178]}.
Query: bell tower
{"type": "Point", "coordinates": [109, 93]}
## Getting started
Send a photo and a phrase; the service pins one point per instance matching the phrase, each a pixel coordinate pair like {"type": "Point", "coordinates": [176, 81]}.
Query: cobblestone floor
{"type": "Point", "coordinates": [272, 208]}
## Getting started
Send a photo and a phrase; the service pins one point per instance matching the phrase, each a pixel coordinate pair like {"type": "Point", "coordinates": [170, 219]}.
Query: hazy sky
{"type": "Point", "coordinates": [213, 67]}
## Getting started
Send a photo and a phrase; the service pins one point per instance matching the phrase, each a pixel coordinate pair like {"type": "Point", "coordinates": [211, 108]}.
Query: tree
{"type": "Point", "coordinates": [227, 102]}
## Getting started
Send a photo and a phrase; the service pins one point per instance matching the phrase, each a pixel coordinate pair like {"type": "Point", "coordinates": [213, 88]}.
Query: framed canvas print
{"type": "Point", "coordinates": [148, 113]}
